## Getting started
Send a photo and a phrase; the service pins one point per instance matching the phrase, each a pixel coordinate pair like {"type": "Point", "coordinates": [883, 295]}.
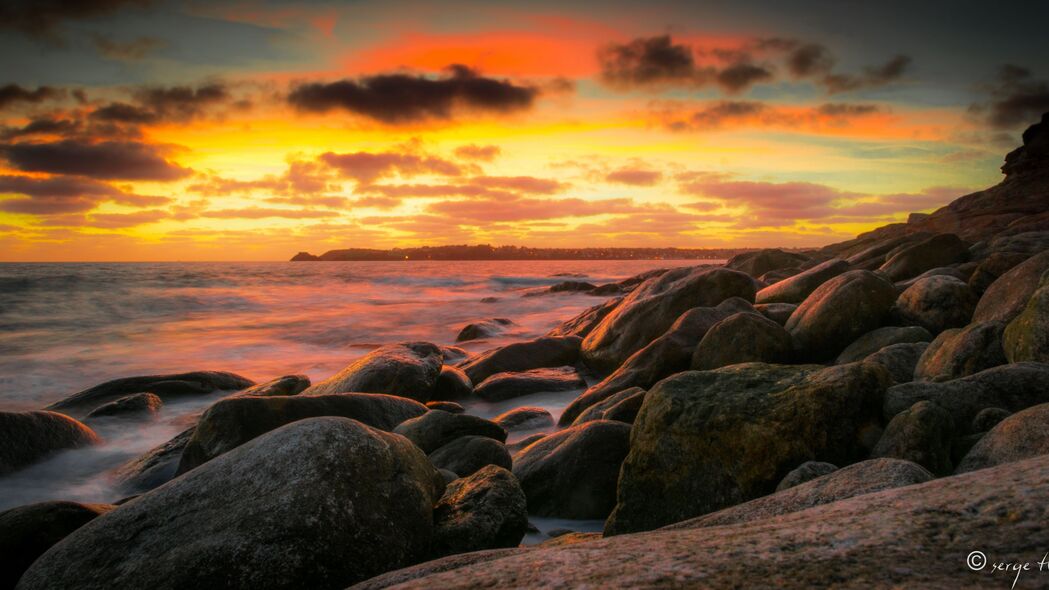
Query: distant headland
{"type": "Point", "coordinates": [487, 252]}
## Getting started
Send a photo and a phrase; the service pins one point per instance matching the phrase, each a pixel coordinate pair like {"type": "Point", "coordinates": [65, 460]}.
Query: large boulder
{"type": "Point", "coordinates": [452, 384]}
{"type": "Point", "coordinates": [26, 532]}
{"type": "Point", "coordinates": [28, 437]}
{"type": "Point", "coordinates": [838, 312]}
{"type": "Point", "coordinates": [1026, 338]}
{"type": "Point", "coordinates": [483, 329]}
{"type": "Point", "coordinates": [523, 356]}
{"type": "Point", "coordinates": [1008, 294]}
{"type": "Point", "coordinates": [742, 338]}
{"type": "Point", "coordinates": [166, 386]}
{"type": "Point", "coordinates": [232, 422]}
{"type": "Point", "coordinates": [937, 303]}
{"type": "Point", "coordinates": [435, 429]}
{"type": "Point", "coordinates": [875, 340]}
{"type": "Point", "coordinates": [777, 312]}
{"type": "Point", "coordinates": [760, 262]}
{"type": "Point", "coordinates": [153, 468]}
{"type": "Point", "coordinates": [807, 471]}
{"type": "Point", "coordinates": [992, 267]}
{"type": "Point", "coordinates": [960, 352]}
{"type": "Point", "coordinates": [525, 418]}
{"type": "Point", "coordinates": [504, 386]}
{"type": "Point", "coordinates": [406, 370]}
{"type": "Point", "coordinates": [486, 510]}
{"type": "Point", "coordinates": [653, 307]}
{"type": "Point", "coordinates": [939, 250]}
{"type": "Point", "coordinates": [1021, 436]}
{"type": "Point", "coordinates": [796, 288]}
{"type": "Point", "coordinates": [622, 406]}
{"type": "Point", "coordinates": [468, 454]}
{"type": "Point", "coordinates": [706, 440]}
{"type": "Point", "coordinates": [286, 385]}
{"type": "Point", "coordinates": [572, 473]}
{"type": "Point", "coordinates": [321, 503]}
{"type": "Point", "coordinates": [922, 434]}
{"type": "Point", "coordinates": [899, 359]}
{"type": "Point", "coordinates": [584, 323]}
{"type": "Point", "coordinates": [138, 406]}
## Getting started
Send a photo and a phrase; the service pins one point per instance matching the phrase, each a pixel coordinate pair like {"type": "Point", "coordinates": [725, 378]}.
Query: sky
{"type": "Point", "coordinates": [252, 130]}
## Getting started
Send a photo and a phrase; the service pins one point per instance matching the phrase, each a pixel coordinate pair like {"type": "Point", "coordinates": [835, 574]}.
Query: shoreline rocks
{"type": "Point", "coordinates": [29, 437]}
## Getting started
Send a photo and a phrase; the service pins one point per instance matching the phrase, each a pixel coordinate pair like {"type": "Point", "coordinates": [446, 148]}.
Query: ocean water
{"type": "Point", "coordinates": [66, 327]}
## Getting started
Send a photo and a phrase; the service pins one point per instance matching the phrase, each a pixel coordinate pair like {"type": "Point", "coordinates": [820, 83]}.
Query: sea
{"type": "Point", "coordinates": [65, 327]}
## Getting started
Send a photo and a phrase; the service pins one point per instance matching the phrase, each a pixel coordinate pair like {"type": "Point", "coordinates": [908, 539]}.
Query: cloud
{"type": "Point", "coordinates": [809, 59]}
{"type": "Point", "coordinates": [367, 167]}
{"type": "Point", "coordinates": [725, 113]}
{"type": "Point", "coordinates": [107, 160]}
{"type": "Point", "coordinates": [302, 181]}
{"type": "Point", "coordinates": [11, 94]}
{"type": "Point", "coordinates": [263, 212]}
{"type": "Point", "coordinates": [134, 50]}
{"type": "Point", "coordinates": [634, 176]}
{"type": "Point", "coordinates": [1017, 99]}
{"type": "Point", "coordinates": [64, 194]}
{"type": "Point", "coordinates": [120, 220]}
{"type": "Point", "coordinates": [649, 61]}
{"type": "Point", "coordinates": [522, 209]}
{"type": "Point", "coordinates": [403, 98]}
{"type": "Point", "coordinates": [160, 104]}
{"type": "Point", "coordinates": [42, 126]}
{"type": "Point", "coordinates": [484, 153]}
{"type": "Point", "coordinates": [40, 18]}
{"type": "Point", "coordinates": [873, 76]}
{"type": "Point", "coordinates": [739, 77]}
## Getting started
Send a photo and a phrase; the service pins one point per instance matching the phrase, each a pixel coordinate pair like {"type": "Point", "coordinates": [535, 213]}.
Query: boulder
{"type": "Point", "coordinates": [450, 407]}
{"type": "Point", "coordinates": [922, 434]}
{"type": "Point", "coordinates": [483, 329]}
{"type": "Point", "coordinates": [875, 340]}
{"type": "Point", "coordinates": [467, 454]}
{"type": "Point", "coordinates": [777, 312]}
{"type": "Point", "coordinates": [1021, 436]}
{"type": "Point", "coordinates": [165, 386]}
{"type": "Point", "coordinates": [523, 356]}
{"type": "Point", "coordinates": [435, 429]}
{"type": "Point", "coordinates": [988, 418]}
{"type": "Point", "coordinates": [524, 418]}
{"type": "Point", "coordinates": [937, 303]}
{"type": "Point", "coordinates": [504, 386]}
{"type": "Point", "coordinates": [585, 322]}
{"type": "Point", "coordinates": [321, 503]}
{"type": "Point", "coordinates": [232, 422]}
{"type": "Point", "coordinates": [286, 385]}
{"type": "Point", "coordinates": [138, 406]}
{"type": "Point", "coordinates": [518, 446]}
{"type": "Point", "coordinates": [571, 287]}
{"type": "Point", "coordinates": [706, 440]}
{"type": "Point", "coordinates": [960, 352]}
{"type": "Point", "coordinates": [873, 253]}
{"type": "Point", "coordinates": [1026, 338]}
{"type": "Point", "coordinates": [760, 262]}
{"type": "Point", "coordinates": [899, 359]}
{"type": "Point", "coordinates": [807, 471]}
{"type": "Point", "coordinates": [992, 267]}
{"type": "Point", "coordinates": [653, 307]}
{"type": "Point", "coordinates": [622, 406]}
{"type": "Point", "coordinates": [454, 354]}
{"type": "Point", "coordinates": [796, 288]}
{"type": "Point", "coordinates": [28, 437]}
{"type": "Point", "coordinates": [838, 312]}
{"type": "Point", "coordinates": [1008, 294]}
{"type": "Point", "coordinates": [406, 370]}
{"type": "Point", "coordinates": [435, 566]}
{"type": "Point", "coordinates": [943, 271]}
{"type": "Point", "coordinates": [912, 260]}
{"type": "Point", "coordinates": [572, 473]}
{"type": "Point", "coordinates": [452, 384]}
{"type": "Point", "coordinates": [153, 468]}
{"type": "Point", "coordinates": [486, 510]}
{"type": "Point", "coordinates": [742, 338]}
{"type": "Point", "coordinates": [27, 532]}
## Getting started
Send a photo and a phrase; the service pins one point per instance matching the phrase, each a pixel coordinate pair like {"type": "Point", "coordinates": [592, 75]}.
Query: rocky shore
{"type": "Point", "coordinates": [867, 414]}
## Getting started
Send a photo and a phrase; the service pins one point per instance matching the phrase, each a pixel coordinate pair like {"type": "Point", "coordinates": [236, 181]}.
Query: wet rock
{"type": "Point", "coordinates": [653, 307]}
{"type": "Point", "coordinates": [165, 386]}
{"type": "Point", "coordinates": [321, 503]}
{"type": "Point", "coordinates": [572, 287]}
{"type": "Point", "coordinates": [523, 356]}
{"type": "Point", "coordinates": [742, 338]}
{"type": "Point", "coordinates": [899, 359]}
{"type": "Point", "coordinates": [232, 422]}
{"type": "Point", "coordinates": [939, 250]}
{"type": "Point", "coordinates": [796, 288]}
{"type": "Point", "coordinates": [1026, 338]}
{"type": "Point", "coordinates": [777, 312]}
{"type": "Point", "coordinates": [937, 303]}
{"type": "Point", "coordinates": [992, 267]}
{"type": "Point", "coordinates": [518, 446]}
{"type": "Point", "coordinates": [706, 440]}
{"type": "Point", "coordinates": [286, 385]}
{"type": "Point", "coordinates": [504, 386]}
{"type": "Point", "coordinates": [29, 437]}
{"type": "Point", "coordinates": [468, 454]}
{"type": "Point", "coordinates": [435, 429]}
{"type": "Point", "coordinates": [838, 312]}
{"type": "Point", "coordinates": [988, 418]}
{"type": "Point", "coordinates": [961, 352]}
{"type": "Point", "coordinates": [585, 322]}
{"type": "Point", "coordinates": [454, 354]}
{"type": "Point", "coordinates": [1008, 294]}
{"type": "Point", "coordinates": [153, 468]}
{"type": "Point", "coordinates": [452, 384]}
{"type": "Point", "coordinates": [807, 471]}
{"type": "Point", "coordinates": [140, 406]}
{"type": "Point", "coordinates": [875, 340]}
{"type": "Point", "coordinates": [760, 262]}
{"type": "Point", "coordinates": [483, 329]}
{"type": "Point", "coordinates": [572, 473]}
{"type": "Point", "coordinates": [622, 406]}
{"type": "Point", "coordinates": [922, 434]}
{"type": "Point", "coordinates": [1021, 436]}
{"type": "Point", "coordinates": [450, 407]}
{"type": "Point", "coordinates": [406, 370]}
{"type": "Point", "coordinates": [486, 510]}
{"type": "Point", "coordinates": [524, 418]}
{"type": "Point", "coordinates": [26, 532]}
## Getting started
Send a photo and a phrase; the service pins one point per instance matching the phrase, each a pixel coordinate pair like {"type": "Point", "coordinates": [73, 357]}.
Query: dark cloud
{"type": "Point", "coordinates": [872, 77]}
{"type": "Point", "coordinates": [403, 98]}
{"type": "Point", "coordinates": [485, 153]}
{"type": "Point", "coordinates": [42, 126]}
{"type": "Point", "coordinates": [40, 18]}
{"type": "Point", "coordinates": [367, 167]}
{"type": "Point", "coordinates": [725, 113]}
{"type": "Point", "coordinates": [717, 114]}
{"type": "Point", "coordinates": [65, 194]}
{"type": "Point", "coordinates": [651, 61]}
{"type": "Point", "coordinates": [838, 109]}
{"type": "Point", "coordinates": [122, 112]}
{"type": "Point", "coordinates": [108, 160]}
{"type": "Point", "coordinates": [12, 94]}
{"type": "Point", "coordinates": [809, 59]}
{"type": "Point", "coordinates": [739, 77]}
{"type": "Point", "coordinates": [133, 50]}
{"type": "Point", "coordinates": [1017, 99]}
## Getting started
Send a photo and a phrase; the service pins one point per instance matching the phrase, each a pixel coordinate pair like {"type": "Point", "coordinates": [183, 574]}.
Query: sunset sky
{"type": "Point", "coordinates": [251, 130]}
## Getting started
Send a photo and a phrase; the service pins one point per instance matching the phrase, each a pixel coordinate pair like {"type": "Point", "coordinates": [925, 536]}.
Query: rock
{"type": "Point", "coordinates": [912, 260]}
{"type": "Point", "coordinates": [572, 287]}
{"type": "Point", "coordinates": [960, 352]}
{"type": "Point", "coordinates": [165, 386]}
{"type": "Point", "coordinates": [286, 385]}
{"type": "Point", "coordinates": [1011, 387]}
{"type": "Point", "coordinates": [796, 288]}
{"type": "Point", "coordinates": [942, 271]}
{"type": "Point", "coordinates": [516, 447]}
{"type": "Point", "coordinates": [760, 262]}
{"type": "Point", "coordinates": [450, 407]}
{"type": "Point", "coordinates": [873, 254]}
{"type": "Point", "coordinates": [988, 418]}
{"type": "Point", "coordinates": [572, 473]}
{"type": "Point", "coordinates": [1008, 294]}
{"type": "Point", "coordinates": [435, 429]}
{"type": "Point", "coordinates": [921, 434]}
{"type": "Point", "coordinates": [137, 406]}
{"type": "Point", "coordinates": [706, 440]}
{"type": "Point", "coordinates": [774, 276]}
{"type": "Point", "coordinates": [1021, 436]}
{"type": "Point", "coordinates": [483, 329]}
{"type": "Point", "coordinates": [992, 267]}
{"type": "Point", "coordinates": [865, 477]}
{"type": "Point", "coordinates": [28, 437]}
{"type": "Point", "coordinates": [524, 418]}
{"type": "Point", "coordinates": [26, 532]}
{"type": "Point", "coordinates": [624, 405]}
{"type": "Point", "coordinates": [154, 468]}
{"type": "Point", "coordinates": [322, 503]}
{"type": "Point", "coordinates": [777, 312]}
{"type": "Point", "coordinates": [1026, 338]}
{"type": "Point", "coordinates": [452, 384]}
{"type": "Point", "coordinates": [1029, 243]}
{"type": "Point", "coordinates": [447, 476]}
{"type": "Point", "coordinates": [937, 303]}
{"type": "Point", "coordinates": [454, 354]}
{"type": "Point", "coordinates": [899, 359]}
{"type": "Point", "coordinates": [807, 471]}
{"type": "Point", "coordinates": [486, 510]}
{"type": "Point", "coordinates": [523, 356]}
{"type": "Point", "coordinates": [875, 340]}
{"type": "Point", "coordinates": [232, 422]}
{"type": "Point", "coordinates": [742, 338]}
{"type": "Point", "coordinates": [653, 307]}
{"type": "Point", "coordinates": [436, 566]}
{"type": "Point", "coordinates": [585, 322]}
{"type": "Point", "coordinates": [406, 370]}
{"type": "Point", "coordinates": [468, 454]}
{"type": "Point", "coordinates": [838, 312]}
{"type": "Point", "coordinates": [504, 386]}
